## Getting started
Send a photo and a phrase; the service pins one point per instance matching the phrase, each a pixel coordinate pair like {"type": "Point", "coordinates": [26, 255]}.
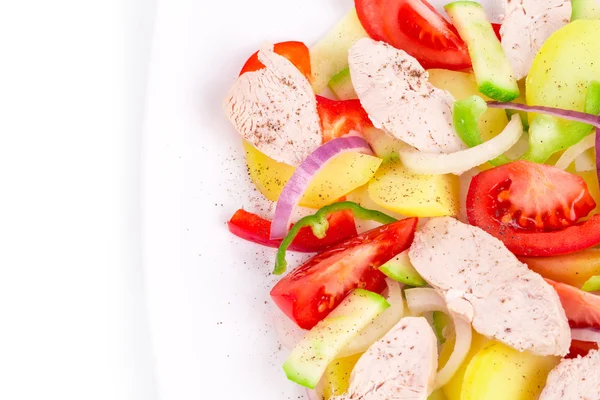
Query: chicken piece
{"type": "Point", "coordinates": [395, 91]}
{"type": "Point", "coordinates": [275, 109]}
{"type": "Point", "coordinates": [484, 282]}
{"type": "Point", "coordinates": [574, 379]}
{"type": "Point", "coordinates": [402, 365]}
{"type": "Point", "coordinates": [527, 24]}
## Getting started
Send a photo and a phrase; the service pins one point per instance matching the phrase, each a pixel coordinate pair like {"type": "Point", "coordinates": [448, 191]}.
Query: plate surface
{"type": "Point", "coordinates": [208, 301]}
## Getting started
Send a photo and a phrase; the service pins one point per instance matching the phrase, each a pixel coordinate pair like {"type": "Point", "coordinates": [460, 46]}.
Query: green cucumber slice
{"type": "Point", "coordinates": [309, 359]}
{"type": "Point", "coordinates": [341, 85]}
{"type": "Point", "coordinates": [493, 72]}
{"type": "Point", "coordinates": [585, 9]}
{"type": "Point", "coordinates": [401, 270]}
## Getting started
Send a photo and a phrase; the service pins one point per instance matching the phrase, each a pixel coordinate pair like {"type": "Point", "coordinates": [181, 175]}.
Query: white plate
{"type": "Point", "coordinates": [208, 291]}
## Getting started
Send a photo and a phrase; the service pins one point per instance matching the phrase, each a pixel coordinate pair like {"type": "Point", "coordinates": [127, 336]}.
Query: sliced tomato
{"type": "Point", "coordinates": [257, 230]}
{"type": "Point", "coordinates": [339, 117]}
{"type": "Point", "coordinates": [311, 291]}
{"type": "Point", "coordinates": [417, 28]}
{"type": "Point", "coordinates": [296, 52]}
{"type": "Point", "coordinates": [579, 348]}
{"type": "Point", "coordinates": [573, 269]}
{"type": "Point", "coordinates": [582, 308]}
{"type": "Point", "coordinates": [496, 28]}
{"type": "Point", "coordinates": [533, 209]}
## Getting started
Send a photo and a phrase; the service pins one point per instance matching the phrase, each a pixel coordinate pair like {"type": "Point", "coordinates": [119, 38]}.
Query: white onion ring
{"type": "Point", "coordinates": [462, 160]}
{"type": "Point", "coordinates": [574, 151]}
{"type": "Point", "coordinates": [294, 189]}
{"type": "Point", "coordinates": [312, 395]}
{"type": "Point", "coordinates": [585, 162]}
{"type": "Point", "coordinates": [422, 300]}
{"type": "Point", "coordinates": [381, 325]}
{"type": "Point", "coordinates": [585, 335]}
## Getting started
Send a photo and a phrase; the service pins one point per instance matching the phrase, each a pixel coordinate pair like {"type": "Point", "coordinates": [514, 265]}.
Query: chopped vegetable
{"type": "Point", "coordinates": [580, 348]}
{"type": "Point", "coordinates": [255, 229]}
{"type": "Point", "coordinates": [310, 358]}
{"type": "Point", "coordinates": [401, 270]}
{"type": "Point", "coordinates": [585, 335]}
{"type": "Point", "coordinates": [330, 54]}
{"type": "Point", "coordinates": [592, 284]}
{"type": "Point", "coordinates": [341, 85]}
{"type": "Point", "coordinates": [560, 77]}
{"type": "Point", "coordinates": [397, 189]}
{"type": "Point", "coordinates": [573, 269]}
{"type": "Point", "coordinates": [462, 160]}
{"type": "Point", "coordinates": [582, 308]}
{"type": "Point", "coordinates": [336, 378]}
{"type": "Point", "coordinates": [533, 209]}
{"type": "Point", "coordinates": [440, 322]}
{"type": "Point", "coordinates": [494, 73]}
{"type": "Point", "coordinates": [339, 177]}
{"type": "Point", "coordinates": [305, 173]}
{"type": "Point", "coordinates": [465, 117]}
{"type": "Point", "coordinates": [340, 117]}
{"type": "Point", "coordinates": [296, 52]}
{"type": "Point", "coordinates": [311, 291]}
{"type": "Point", "coordinates": [569, 156]}
{"type": "Point", "coordinates": [417, 28]}
{"type": "Point", "coordinates": [319, 225]}
{"type": "Point", "coordinates": [499, 372]}
{"type": "Point", "coordinates": [585, 9]}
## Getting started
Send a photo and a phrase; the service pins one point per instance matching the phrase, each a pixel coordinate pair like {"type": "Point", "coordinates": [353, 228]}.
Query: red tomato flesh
{"type": "Point", "coordinates": [339, 117]}
{"type": "Point", "coordinates": [417, 28]}
{"type": "Point", "coordinates": [582, 308]}
{"type": "Point", "coordinates": [311, 291]}
{"type": "Point", "coordinates": [579, 348]}
{"type": "Point", "coordinates": [255, 229]}
{"type": "Point", "coordinates": [296, 52]}
{"type": "Point", "coordinates": [533, 209]}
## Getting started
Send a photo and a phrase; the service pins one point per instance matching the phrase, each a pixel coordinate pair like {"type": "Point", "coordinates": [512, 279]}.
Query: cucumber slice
{"type": "Point", "coordinates": [585, 9]}
{"type": "Point", "coordinates": [401, 270]}
{"type": "Point", "coordinates": [341, 85]}
{"type": "Point", "coordinates": [440, 322]}
{"type": "Point", "coordinates": [330, 54]}
{"type": "Point", "coordinates": [493, 72]}
{"type": "Point", "coordinates": [309, 359]}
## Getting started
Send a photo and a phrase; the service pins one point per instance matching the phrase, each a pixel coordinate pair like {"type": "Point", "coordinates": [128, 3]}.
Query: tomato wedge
{"type": "Point", "coordinates": [579, 348]}
{"type": "Point", "coordinates": [533, 209]}
{"type": "Point", "coordinates": [256, 229]}
{"type": "Point", "coordinates": [417, 28]}
{"type": "Point", "coordinates": [582, 308]}
{"type": "Point", "coordinates": [311, 291]}
{"type": "Point", "coordinates": [296, 52]}
{"type": "Point", "coordinates": [339, 117]}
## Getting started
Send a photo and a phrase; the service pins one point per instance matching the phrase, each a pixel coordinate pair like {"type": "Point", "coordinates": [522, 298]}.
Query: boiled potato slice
{"type": "Point", "coordinates": [339, 177]}
{"type": "Point", "coordinates": [462, 85]}
{"type": "Point", "coordinates": [336, 379]}
{"type": "Point", "coordinates": [395, 188]}
{"type": "Point", "coordinates": [499, 372]}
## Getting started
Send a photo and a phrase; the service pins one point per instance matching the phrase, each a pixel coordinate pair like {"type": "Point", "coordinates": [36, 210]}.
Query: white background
{"type": "Point", "coordinates": [73, 323]}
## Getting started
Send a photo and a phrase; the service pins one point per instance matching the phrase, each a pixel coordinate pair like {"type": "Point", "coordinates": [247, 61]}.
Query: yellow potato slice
{"type": "Point", "coordinates": [339, 177]}
{"type": "Point", "coordinates": [395, 188]}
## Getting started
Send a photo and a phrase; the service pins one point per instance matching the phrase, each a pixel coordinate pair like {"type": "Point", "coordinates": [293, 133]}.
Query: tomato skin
{"type": "Point", "coordinates": [582, 308]}
{"type": "Point", "coordinates": [417, 28]}
{"type": "Point", "coordinates": [579, 348]}
{"type": "Point", "coordinates": [496, 28]}
{"type": "Point", "coordinates": [296, 52]}
{"type": "Point", "coordinates": [255, 229]}
{"type": "Point", "coordinates": [311, 291]}
{"type": "Point", "coordinates": [490, 206]}
{"type": "Point", "coordinates": [339, 117]}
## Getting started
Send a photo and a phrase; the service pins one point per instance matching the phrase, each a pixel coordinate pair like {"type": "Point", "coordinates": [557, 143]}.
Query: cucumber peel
{"type": "Point", "coordinates": [585, 9]}
{"type": "Point", "coordinates": [401, 270]}
{"type": "Point", "coordinates": [309, 359]}
{"type": "Point", "coordinates": [493, 72]}
{"type": "Point", "coordinates": [592, 284]}
{"type": "Point", "coordinates": [341, 85]}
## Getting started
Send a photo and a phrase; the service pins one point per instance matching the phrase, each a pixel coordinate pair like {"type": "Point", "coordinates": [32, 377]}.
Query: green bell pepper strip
{"type": "Point", "coordinates": [548, 135]}
{"type": "Point", "coordinates": [465, 118]}
{"type": "Point", "coordinates": [592, 284]}
{"type": "Point", "coordinates": [319, 225]}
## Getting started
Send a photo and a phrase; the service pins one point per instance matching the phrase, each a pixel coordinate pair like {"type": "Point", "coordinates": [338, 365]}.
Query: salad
{"type": "Point", "coordinates": [441, 172]}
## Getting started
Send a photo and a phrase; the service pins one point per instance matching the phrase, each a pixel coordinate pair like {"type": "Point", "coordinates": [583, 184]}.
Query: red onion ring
{"type": "Point", "coordinates": [555, 112]}
{"type": "Point", "coordinates": [304, 174]}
